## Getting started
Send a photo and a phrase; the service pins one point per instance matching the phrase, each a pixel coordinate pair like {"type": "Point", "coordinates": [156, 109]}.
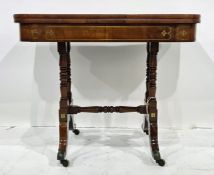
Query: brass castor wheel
{"type": "Point", "coordinates": [64, 162]}
{"type": "Point", "coordinates": [160, 162]}
{"type": "Point", "coordinates": [76, 131]}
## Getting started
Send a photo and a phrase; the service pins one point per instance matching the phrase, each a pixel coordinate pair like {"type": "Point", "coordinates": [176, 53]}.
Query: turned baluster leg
{"type": "Point", "coordinates": [153, 48]}
{"type": "Point", "coordinates": [145, 124]}
{"type": "Point", "coordinates": [69, 72]}
{"type": "Point", "coordinates": [71, 121]}
{"type": "Point", "coordinates": [63, 50]}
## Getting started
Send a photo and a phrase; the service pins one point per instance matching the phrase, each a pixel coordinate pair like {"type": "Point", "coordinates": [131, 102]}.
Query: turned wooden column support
{"type": "Point", "coordinates": [63, 49]}
{"type": "Point", "coordinates": [72, 125]}
{"type": "Point", "coordinates": [68, 47]}
{"type": "Point", "coordinates": [145, 124]}
{"type": "Point", "coordinates": [151, 125]}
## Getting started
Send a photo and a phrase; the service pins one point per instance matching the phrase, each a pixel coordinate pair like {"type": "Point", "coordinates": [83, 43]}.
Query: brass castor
{"type": "Point", "coordinates": [64, 162]}
{"type": "Point", "coordinates": [76, 131]}
{"type": "Point", "coordinates": [160, 162]}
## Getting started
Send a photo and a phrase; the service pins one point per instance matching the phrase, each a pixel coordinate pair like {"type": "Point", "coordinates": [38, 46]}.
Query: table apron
{"type": "Point", "coordinates": [106, 33]}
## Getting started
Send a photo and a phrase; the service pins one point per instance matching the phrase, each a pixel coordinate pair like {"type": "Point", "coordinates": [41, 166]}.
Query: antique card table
{"type": "Point", "coordinates": [65, 28]}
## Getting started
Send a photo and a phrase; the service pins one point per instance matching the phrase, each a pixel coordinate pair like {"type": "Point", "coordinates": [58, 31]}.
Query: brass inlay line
{"type": "Point", "coordinates": [49, 33]}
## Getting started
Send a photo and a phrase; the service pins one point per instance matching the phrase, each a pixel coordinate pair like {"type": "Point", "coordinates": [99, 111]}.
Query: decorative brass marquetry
{"type": "Point", "coordinates": [49, 33]}
{"type": "Point", "coordinates": [35, 32]}
{"type": "Point", "coordinates": [166, 33]}
{"type": "Point", "coordinates": [183, 32]}
{"type": "Point", "coordinates": [153, 115]}
{"type": "Point", "coordinates": [75, 33]}
{"type": "Point", "coordinates": [62, 116]}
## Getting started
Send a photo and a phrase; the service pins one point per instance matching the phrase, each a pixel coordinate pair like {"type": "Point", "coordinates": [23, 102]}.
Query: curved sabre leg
{"type": "Point", "coordinates": [152, 117]}
{"type": "Point", "coordinates": [145, 124]}
{"type": "Point", "coordinates": [72, 125]}
{"type": "Point", "coordinates": [63, 49]}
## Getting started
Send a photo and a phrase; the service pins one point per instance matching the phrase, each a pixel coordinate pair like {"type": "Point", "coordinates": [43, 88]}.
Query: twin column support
{"type": "Point", "coordinates": [67, 110]}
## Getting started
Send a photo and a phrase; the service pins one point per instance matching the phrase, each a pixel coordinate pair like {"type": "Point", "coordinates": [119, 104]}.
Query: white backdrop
{"type": "Point", "coordinates": [106, 74]}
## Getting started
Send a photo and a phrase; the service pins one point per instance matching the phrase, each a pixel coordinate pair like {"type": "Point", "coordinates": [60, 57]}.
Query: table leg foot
{"type": "Point", "coordinates": [72, 126]}
{"type": "Point", "coordinates": [145, 126]}
{"type": "Point", "coordinates": [64, 162]}
{"type": "Point", "coordinates": [157, 157]}
{"type": "Point", "coordinates": [160, 162]}
{"type": "Point", "coordinates": [76, 131]}
{"type": "Point", "coordinates": [61, 155]}
{"type": "Point", "coordinates": [63, 49]}
{"type": "Point", "coordinates": [153, 135]}
{"type": "Point", "coordinates": [151, 121]}
{"type": "Point", "coordinates": [61, 158]}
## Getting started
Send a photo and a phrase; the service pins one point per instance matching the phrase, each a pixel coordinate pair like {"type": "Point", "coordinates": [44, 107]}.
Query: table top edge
{"type": "Point", "coordinates": [102, 18]}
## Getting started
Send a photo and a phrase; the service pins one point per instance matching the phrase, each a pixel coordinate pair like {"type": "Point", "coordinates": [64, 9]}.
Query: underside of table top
{"type": "Point", "coordinates": [107, 27]}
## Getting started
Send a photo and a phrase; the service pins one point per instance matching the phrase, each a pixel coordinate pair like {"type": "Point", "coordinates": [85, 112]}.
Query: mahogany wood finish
{"type": "Point", "coordinates": [151, 118]}
{"type": "Point", "coordinates": [150, 28]}
{"type": "Point", "coordinates": [63, 49]}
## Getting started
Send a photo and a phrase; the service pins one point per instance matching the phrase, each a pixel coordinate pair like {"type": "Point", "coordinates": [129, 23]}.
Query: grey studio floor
{"type": "Point", "coordinates": [103, 151]}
